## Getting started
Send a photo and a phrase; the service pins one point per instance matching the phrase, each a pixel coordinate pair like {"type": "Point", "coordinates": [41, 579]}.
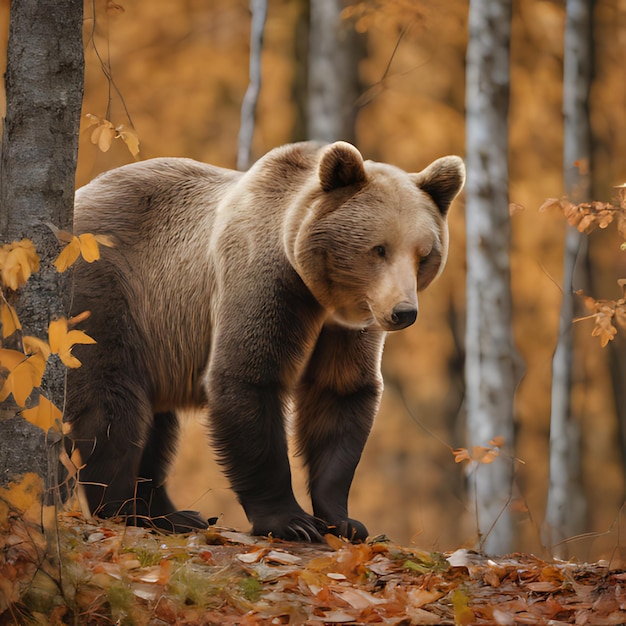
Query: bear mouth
{"type": "Point", "coordinates": [357, 317]}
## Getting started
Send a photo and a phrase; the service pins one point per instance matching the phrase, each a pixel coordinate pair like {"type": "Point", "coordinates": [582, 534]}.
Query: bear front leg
{"type": "Point", "coordinates": [336, 401]}
{"type": "Point", "coordinates": [249, 437]}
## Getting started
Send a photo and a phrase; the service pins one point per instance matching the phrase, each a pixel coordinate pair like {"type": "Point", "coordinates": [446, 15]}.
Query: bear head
{"type": "Point", "coordinates": [365, 237]}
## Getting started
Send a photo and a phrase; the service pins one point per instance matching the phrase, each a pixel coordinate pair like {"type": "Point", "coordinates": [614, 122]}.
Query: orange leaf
{"type": "Point", "coordinates": [22, 495]}
{"type": "Point", "coordinates": [92, 120]}
{"type": "Point", "coordinates": [550, 203]}
{"type": "Point", "coordinates": [103, 135]}
{"type": "Point", "coordinates": [77, 319]}
{"type": "Point", "coordinates": [10, 322]}
{"type": "Point", "coordinates": [62, 341]}
{"type": "Point", "coordinates": [25, 373]}
{"type": "Point", "coordinates": [62, 236]}
{"type": "Point", "coordinates": [89, 247]}
{"type": "Point", "coordinates": [129, 137]}
{"type": "Point", "coordinates": [10, 359]}
{"type": "Point", "coordinates": [489, 455]}
{"type": "Point", "coordinates": [17, 261]}
{"type": "Point", "coordinates": [34, 345]}
{"type": "Point", "coordinates": [45, 415]}
{"type": "Point", "coordinates": [105, 240]}
{"type": "Point", "coordinates": [460, 455]}
{"type": "Point", "coordinates": [68, 255]}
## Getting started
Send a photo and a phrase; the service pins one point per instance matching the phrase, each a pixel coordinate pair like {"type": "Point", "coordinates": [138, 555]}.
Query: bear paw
{"type": "Point", "coordinates": [291, 527]}
{"type": "Point", "coordinates": [350, 529]}
{"type": "Point", "coordinates": [176, 522]}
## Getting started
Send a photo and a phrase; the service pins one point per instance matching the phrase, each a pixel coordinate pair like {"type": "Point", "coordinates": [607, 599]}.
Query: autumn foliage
{"type": "Point", "coordinates": [23, 365]}
{"type": "Point", "coordinates": [607, 315]}
{"type": "Point", "coordinates": [104, 573]}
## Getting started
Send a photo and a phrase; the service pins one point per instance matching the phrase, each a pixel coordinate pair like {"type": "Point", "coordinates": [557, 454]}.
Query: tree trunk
{"type": "Point", "coordinates": [44, 88]}
{"type": "Point", "coordinates": [490, 356]}
{"type": "Point", "coordinates": [565, 511]}
{"type": "Point", "coordinates": [248, 107]}
{"type": "Point", "coordinates": [334, 52]}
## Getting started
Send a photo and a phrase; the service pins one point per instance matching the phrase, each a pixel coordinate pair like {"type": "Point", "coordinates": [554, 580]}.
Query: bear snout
{"type": "Point", "coordinates": [403, 315]}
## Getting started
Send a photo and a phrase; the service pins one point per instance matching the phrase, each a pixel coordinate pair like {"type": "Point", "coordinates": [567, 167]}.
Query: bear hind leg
{"type": "Point", "coordinates": [153, 505]}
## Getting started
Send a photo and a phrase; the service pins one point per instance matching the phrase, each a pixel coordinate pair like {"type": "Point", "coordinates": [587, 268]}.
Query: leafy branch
{"type": "Point", "coordinates": [105, 131]}
{"type": "Point", "coordinates": [607, 315]}
{"type": "Point", "coordinates": [22, 365]}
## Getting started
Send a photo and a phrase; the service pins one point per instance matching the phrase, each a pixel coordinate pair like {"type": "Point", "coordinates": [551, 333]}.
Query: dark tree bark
{"type": "Point", "coordinates": [490, 359]}
{"type": "Point", "coordinates": [44, 88]}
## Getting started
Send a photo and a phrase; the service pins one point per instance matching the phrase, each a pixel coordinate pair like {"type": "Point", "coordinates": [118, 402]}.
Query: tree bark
{"type": "Point", "coordinates": [490, 356]}
{"type": "Point", "coordinates": [44, 88]}
{"type": "Point", "coordinates": [333, 74]}
{"type": "Point", "coordinates": [565, 511]}
{"type": "Point", "coordinates": [248, 107]}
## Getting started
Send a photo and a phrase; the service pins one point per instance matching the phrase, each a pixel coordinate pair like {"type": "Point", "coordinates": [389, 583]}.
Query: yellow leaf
{"type": "Point", "coordinates": [89, 247]}
{"type": "Point", "coordinates": [113, 8]}
{"type": "Point", "coordinates": [68, 255]}
{"type": "Point", "coordinates": [105, 240]}
{"type": "Point", "coordinates": [93, 120]}
{"type": "Point", "coordinates": [34, 345]}
{"type": "Point", "coordinates": [23, 495]}
{"type": "Point", "coordinates": [62, 341]}
{"type": "Point", "coordinates": [462, 612]}
{"type": "Point", "coordinates": [77, 319]}
{"type": "Point", "coordinates": [10, 359]}
{"type": "Point", "coordinates": [23, 377]}
{"type": "Point", "coordinates": [18, 260]}
{"type": "Point", "coordinates": [74, 337]}
{"type": "Point", "coordinates": [62, 235]}
{"type": "Point", "coordinates": [129, 137]}
{"type": "Point", "coordinates": [45, 414]}
{"type": "Point", "coordinates": [103, 135]}
{"type": "Point", "coordinates": [10, 322]}
{"type": "Point", "coordinates": [57, 329]}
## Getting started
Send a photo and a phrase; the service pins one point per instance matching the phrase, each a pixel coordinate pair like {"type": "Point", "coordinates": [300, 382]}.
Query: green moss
{"type": "Point", "coordinates": [251, 588]}
{"type": "Point", "coordinates": [121, 601]}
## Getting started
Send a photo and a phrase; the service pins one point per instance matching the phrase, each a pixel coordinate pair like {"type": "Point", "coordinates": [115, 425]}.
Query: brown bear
{"type": "Point", "coordinates": [252, 295]}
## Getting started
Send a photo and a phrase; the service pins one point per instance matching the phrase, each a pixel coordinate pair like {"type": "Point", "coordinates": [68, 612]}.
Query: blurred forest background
{"type": "Point", "coordinates": [176, 71]}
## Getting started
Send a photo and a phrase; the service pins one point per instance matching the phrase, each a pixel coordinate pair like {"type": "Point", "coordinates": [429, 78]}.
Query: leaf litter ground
{"type": "Point", "coordinates": [82, 572]}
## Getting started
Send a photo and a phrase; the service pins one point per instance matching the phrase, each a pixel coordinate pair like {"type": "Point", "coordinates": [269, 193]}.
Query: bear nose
{"type": "Point", "coordinates": [403, 315]}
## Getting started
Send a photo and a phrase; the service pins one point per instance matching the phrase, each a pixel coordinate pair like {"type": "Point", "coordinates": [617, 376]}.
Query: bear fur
{"type": "Point", "coordinates": [247, 294]}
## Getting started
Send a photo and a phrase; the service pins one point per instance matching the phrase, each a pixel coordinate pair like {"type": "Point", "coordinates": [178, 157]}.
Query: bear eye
{"type": "Point", "coordinates": [380, 251]}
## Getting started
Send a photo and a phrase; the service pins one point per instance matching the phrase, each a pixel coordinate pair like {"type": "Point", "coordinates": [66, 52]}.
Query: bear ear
{"type": "Point", "coordinates": [442, 180]}
{"type": "Point", "coordinates": [341, 165]}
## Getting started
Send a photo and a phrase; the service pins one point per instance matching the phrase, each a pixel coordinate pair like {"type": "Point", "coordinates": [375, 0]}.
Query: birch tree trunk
{"type": "Point", "coordinates": [490, 356]}
{"type": "Point", "coordinates": [44, 88]}
{"type": "Point", "coordinates": [565, 511]}
{"type": "Point", "coordinates": [251, 97]}
{"type": "Point", "coordinates": [333, 82]}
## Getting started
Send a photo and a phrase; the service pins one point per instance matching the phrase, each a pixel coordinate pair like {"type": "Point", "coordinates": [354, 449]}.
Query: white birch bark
{"type": "Point", "coordinates": [333, 73]}
{"type": "Point", "coordinates": [258, 9]}
{"type": "Point", "coordinates": [490, 356]}
{"type": "Point", "coordinates": [565, 511]}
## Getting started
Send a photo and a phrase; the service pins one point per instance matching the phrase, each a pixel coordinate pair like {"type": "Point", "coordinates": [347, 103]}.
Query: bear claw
{"type": "Point", "coordinates": [176, 522]}
{"type": "Point", "coordinates": [300, 527]}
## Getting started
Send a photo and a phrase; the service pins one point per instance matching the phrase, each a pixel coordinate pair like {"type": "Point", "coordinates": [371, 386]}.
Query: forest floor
{"type": "Point", "coordinates": [81, 572]}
